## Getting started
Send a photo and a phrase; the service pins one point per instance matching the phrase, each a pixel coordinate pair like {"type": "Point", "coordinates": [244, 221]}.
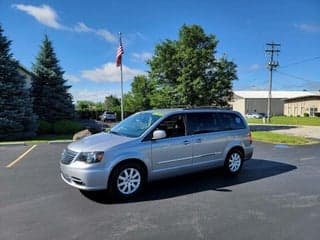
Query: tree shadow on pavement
{"type": "Point", "coordinates": [215, 180]}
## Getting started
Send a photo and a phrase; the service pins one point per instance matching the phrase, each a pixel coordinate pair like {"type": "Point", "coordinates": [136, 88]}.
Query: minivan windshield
{"type": "Point", "coordinates": [135, 125]}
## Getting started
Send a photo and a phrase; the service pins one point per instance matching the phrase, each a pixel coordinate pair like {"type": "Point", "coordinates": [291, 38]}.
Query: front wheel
{"type": "Point", "coordinates": [233, 162]}
{"type": "Point", "coordinates": [127, 181]}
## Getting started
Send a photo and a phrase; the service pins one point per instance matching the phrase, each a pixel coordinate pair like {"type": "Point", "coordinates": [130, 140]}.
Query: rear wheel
{"type": "Point", "coordinates": [233, 162]}
{"type": "Point", "coordinates": [127, 181]}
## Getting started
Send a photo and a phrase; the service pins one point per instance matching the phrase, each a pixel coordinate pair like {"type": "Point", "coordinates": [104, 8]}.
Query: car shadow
{"type": "Point", "coordinates": [215, 180]}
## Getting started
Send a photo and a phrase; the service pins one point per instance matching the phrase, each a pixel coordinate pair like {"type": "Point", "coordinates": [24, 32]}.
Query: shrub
{"type": "Point", "coordinates": [66, 127]}
{"type": "Point", "coordinates": [306, 114]}
{"type": "Point", "coordinates": [88, 114]}
{"type": "Point", "coordinates": [94, 130]}
{"type": "Point", "coordinates": [44, 127]}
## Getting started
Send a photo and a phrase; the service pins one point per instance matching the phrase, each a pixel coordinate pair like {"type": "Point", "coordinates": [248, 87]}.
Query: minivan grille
{"type": "Point", "coordinates": [68, 156]}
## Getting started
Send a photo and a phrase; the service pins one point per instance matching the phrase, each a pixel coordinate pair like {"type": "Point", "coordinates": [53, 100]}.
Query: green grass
{"type": "Point", "coordinates": [51, 137]}
{"type": "Point", "coordinates": [44, 139]}
{"type": "Point", "coordinates": [306, 121]}
{"type": "Point", "coordinates": [271, 137]}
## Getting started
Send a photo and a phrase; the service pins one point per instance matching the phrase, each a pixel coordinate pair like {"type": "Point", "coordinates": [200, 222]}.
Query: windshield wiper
{"type": "Point", "coordinates": [122, 134]}
{"type": "Point", "coordinates": [115, 133]}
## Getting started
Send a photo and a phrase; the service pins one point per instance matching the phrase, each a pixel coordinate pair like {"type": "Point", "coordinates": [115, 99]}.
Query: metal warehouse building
{"type": "Point", "coordinates": [256, 101]}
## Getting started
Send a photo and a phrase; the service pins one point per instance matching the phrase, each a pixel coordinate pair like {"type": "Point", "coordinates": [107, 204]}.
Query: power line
{"type": "Point", "coordinates": [293, 76]}
{"type": "Point", "coordinates": [300, 62]}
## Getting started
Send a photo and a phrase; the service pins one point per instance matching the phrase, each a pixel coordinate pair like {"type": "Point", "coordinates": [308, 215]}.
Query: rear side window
{"type": "Point", "coordinates": [202, 123]}
{"type": "Point", "coordinates": [213, 122]}
{"type": "Point", "coordinates": [230, 121]}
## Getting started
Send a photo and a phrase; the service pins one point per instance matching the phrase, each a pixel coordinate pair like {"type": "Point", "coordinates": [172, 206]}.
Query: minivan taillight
{"type": "Point", "coordinates": [250, 137]}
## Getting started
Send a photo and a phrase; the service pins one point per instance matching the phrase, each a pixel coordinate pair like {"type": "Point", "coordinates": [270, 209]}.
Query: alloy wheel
{"type": "Point", "coordinates": [129, 181]}
{"type": "Point", "coordinates": [234, 162]}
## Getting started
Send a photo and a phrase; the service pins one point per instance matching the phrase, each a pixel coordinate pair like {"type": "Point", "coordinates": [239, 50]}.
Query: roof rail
{"type": "Point", "coordinates": [207, 107]}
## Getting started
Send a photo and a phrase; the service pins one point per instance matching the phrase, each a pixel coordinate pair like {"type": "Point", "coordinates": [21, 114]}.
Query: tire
{"type": "Point", "coordinates": [127, 181]}
{"type": "Point", "coordinates": [233, 162]}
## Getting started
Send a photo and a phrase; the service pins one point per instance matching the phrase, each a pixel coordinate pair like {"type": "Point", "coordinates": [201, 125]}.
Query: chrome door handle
{"type": "Point", "coordinates": [198, 140]}
{"type": "Point", "coordinates": [186, 142]}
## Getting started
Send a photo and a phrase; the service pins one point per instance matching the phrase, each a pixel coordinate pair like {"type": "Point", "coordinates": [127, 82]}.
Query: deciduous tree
{"type": "Point", "coordinates": [187, 72]}
{"type": "Point", "coordinates": [139, 98]}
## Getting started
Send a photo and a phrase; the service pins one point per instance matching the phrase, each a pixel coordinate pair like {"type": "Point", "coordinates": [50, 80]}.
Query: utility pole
{"type": "Point", "coordinates": [272, 64]}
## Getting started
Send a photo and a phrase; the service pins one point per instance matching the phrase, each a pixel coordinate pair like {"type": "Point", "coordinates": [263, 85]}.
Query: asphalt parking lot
{"type": "Point", "coordinates": [277, 196]}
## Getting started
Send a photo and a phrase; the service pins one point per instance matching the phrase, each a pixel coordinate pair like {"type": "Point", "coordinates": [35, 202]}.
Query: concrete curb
{"type": "Point", "coordinates": [25, 144]}
{"type": "Point", "coordinates": [13, 144]}
{"type": "Point", "coordinates": [60, 141]}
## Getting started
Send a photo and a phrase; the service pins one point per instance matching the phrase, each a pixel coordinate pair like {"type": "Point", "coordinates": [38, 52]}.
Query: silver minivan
{"type": "Point", "coordinates": [157, 144]}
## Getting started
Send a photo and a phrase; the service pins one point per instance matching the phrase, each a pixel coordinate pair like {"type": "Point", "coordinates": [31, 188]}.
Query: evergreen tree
{"type": "Point", "coordinates": [51, 99]}
{"type": "Point", "coordinates": [17, 120]}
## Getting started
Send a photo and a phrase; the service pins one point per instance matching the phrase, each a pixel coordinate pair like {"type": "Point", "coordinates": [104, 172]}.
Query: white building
{"type": "Point", "coordinates": [300, 106]}
{"type": "Point", "coordinates": [26, 74]}
{"type": "Point", "coordinates": [257, 101]}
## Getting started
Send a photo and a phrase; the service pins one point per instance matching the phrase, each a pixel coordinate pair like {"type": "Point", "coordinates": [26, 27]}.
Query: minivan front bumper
{"type": "Point", "coordinates": [84, 179]}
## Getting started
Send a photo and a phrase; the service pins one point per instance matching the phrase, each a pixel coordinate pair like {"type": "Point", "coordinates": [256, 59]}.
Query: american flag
{"type": "Point", "coordinates": [119, 54]}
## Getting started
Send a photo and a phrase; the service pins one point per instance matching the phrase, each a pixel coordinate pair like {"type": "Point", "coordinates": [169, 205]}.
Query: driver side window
{"type": "Point", "coordinates": [174, 126]}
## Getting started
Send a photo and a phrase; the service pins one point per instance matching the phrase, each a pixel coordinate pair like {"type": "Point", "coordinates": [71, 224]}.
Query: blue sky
{"type": "Point", "coordinates": [85, 38]}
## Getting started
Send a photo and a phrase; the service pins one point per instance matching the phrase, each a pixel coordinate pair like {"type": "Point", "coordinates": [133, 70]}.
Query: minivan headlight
{"type": "Point", "coordinates": [90, 157]}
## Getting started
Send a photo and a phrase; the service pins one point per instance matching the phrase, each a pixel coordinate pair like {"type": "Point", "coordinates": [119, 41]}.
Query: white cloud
{"type": "Point", "coordinates": [43, 14]}
{"type": "Point", "coordinates": [311, 28]}
{"type": "Point", "coordinates": [110, 73]}
{"type": "Point", "coordinates": [48, 17]}
{"type": "Point", "coordinates": [256, 88]}
{"type": "Point", "coordinates": [81, 27]}
{"type": "Point", "coordinates": [254, 67]}
{"type": "Point", "coordinates": [144, 56]}
{"type": "Point", "coordinates": [91, 95]}
{"type": "Point", "coordinates": [133, 37]}
{"type": "Point", "coordinates": [312, 84]}
{"type": "Point", "coordinates": [108, 36]}
{"type": "Point", "coordinates": [72, 78]}
{"type": "Point", "coordinates": [105, 34]}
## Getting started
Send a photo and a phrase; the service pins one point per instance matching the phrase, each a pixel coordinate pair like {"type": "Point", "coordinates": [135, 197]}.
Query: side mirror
{"type": "Point", "coordinates": [159, 134]}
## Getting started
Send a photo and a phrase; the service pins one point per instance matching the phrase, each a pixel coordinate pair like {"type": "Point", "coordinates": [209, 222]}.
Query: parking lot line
{"type": "Point", "coordinates": [20, 157]}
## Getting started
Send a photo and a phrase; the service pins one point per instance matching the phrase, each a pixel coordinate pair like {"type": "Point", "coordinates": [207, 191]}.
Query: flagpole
{"type": "Point", "coordinates": [121, 73]}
